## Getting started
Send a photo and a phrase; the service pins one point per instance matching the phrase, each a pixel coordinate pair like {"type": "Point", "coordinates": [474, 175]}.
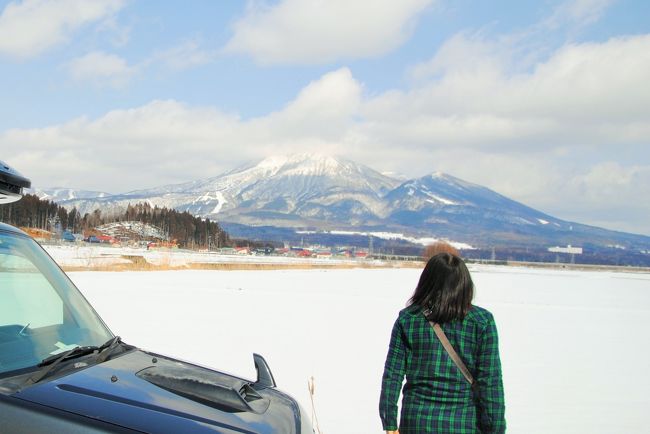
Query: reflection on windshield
{"type": "Point", "coordinates": [41, 312]}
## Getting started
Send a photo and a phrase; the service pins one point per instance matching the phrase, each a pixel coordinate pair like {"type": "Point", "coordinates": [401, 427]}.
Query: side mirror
{"type": "Point", "coordinates": [264, 375]}
{"type": "Point", "coordinates": [11, 184]}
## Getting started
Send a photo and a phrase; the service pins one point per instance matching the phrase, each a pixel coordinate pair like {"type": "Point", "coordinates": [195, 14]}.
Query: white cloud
{"type": "Point", "coordinates": [167, 141]}
{"type": "Point", "coordinates": [30, 27]}
{"type": "Point", "coordinates": [584, 94]}
{"type": "Point", "coordinates": [119, 33]}
{"type": "Point", "coordinates": [613, 192]}
{"type": "Point", "coordinates": [323, 109]}
{"type": "Point", "coordinates": [101, 68]}
{"type": "Point", "coordinates": [562, 136]}
{"type": "Point", "coordinates": [613, 189]}
{"type": "Point", "coordinates": [577, 12]}
{"type": "Point", "coordinates": [317, 31]}
{"type": "Point", "coordinates": [124, 149]}
{"type": "Point", "coordinates": [105, 69]}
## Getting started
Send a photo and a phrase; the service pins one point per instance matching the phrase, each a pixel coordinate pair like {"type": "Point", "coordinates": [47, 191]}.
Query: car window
{"type": "Point", "coordinates": [28, 299]}
{"type": "Point", "coordinates": [41, 311]}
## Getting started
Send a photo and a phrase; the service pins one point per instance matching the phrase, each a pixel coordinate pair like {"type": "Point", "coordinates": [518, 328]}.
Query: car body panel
{"type": "Point", "coordinates": [113, 393]}
{"type": "Point", "coordinates": [23, 417]}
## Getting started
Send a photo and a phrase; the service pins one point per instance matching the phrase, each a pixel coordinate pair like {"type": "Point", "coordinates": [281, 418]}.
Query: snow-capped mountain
{"type": "Point", "coordinates": [283, 190]}
{"type": "Point", "coordinates": [59, 194]}
{"type": "Point", "coordinates": [442, 198]}
{"type": "Point", "coordinates": [308, 191]}
{"type": "Point", "coordinates": [304, 185]}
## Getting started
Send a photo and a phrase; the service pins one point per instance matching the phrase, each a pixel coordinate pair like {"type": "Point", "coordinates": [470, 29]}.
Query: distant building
{"type": "Point", "coordinates": [568, 249]}
{"type": "Point", "coordinates": [106, 239]}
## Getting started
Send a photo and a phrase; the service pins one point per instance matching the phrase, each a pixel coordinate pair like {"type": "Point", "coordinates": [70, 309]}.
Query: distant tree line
{"type": "Point", "coordinates": [188, 231]}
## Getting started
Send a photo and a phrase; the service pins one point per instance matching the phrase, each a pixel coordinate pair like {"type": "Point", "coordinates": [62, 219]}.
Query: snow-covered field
{"type": "Point", "coordinates": [574, 345]}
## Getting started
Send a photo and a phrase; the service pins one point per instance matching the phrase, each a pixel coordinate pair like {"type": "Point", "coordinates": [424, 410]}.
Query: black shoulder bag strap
{"type": "Point", "coordinates": [452, 353]}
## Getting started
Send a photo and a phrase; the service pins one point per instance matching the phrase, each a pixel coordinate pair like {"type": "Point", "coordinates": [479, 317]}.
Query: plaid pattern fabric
{"type": "Point", "coordinates": [436, 396]}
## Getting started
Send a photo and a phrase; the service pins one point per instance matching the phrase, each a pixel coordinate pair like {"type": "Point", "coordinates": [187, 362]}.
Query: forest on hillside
{"type": "Point", "coordinates": [186, 229]}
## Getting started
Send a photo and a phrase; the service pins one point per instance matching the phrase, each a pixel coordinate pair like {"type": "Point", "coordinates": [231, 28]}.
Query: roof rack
{"type": "Point", "coordinates": [11, 184]}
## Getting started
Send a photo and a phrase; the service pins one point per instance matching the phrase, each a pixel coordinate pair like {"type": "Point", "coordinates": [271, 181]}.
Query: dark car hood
{"type": "Point", "coordinates": [152, 393]}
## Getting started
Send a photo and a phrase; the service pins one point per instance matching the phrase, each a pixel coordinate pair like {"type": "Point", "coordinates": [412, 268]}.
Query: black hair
{"type": "Point", "coordinates": [445, 289]}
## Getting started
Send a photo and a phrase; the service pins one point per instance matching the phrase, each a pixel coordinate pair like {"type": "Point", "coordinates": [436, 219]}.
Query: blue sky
{"type": "Point", "coordinates": [546, 102]}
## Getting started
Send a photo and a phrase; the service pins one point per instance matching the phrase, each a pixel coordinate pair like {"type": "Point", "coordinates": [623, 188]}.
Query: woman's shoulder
{"type": "Point", "coordinates": [409, 313]}
{"type": "Point", "coordinates": [479, 315]}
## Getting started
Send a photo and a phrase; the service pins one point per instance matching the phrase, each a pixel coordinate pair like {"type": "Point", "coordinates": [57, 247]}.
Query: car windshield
{"type": "Point", "coordinates": [41, 312]}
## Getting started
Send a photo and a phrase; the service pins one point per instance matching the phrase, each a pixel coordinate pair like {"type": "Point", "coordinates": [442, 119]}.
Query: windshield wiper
{"type": "Point", "coordinates": [48, 364]}
{"type": "Point", "coordinates": [22, 330]}
{"type": "Point", "coordinates": [107, 350]}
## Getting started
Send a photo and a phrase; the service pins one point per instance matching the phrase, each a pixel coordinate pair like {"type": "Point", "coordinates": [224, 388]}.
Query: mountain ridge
{"type": "Point", "coordinates": [307, 191]}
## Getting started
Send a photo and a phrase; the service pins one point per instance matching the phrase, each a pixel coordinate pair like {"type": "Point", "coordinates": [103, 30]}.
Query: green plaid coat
{"type": "Point", "coordinates": [436, 396]}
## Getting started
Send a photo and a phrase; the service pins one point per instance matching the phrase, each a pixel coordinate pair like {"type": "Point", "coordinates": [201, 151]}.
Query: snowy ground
{"type": "Point", "coordinates": [574, 345]}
